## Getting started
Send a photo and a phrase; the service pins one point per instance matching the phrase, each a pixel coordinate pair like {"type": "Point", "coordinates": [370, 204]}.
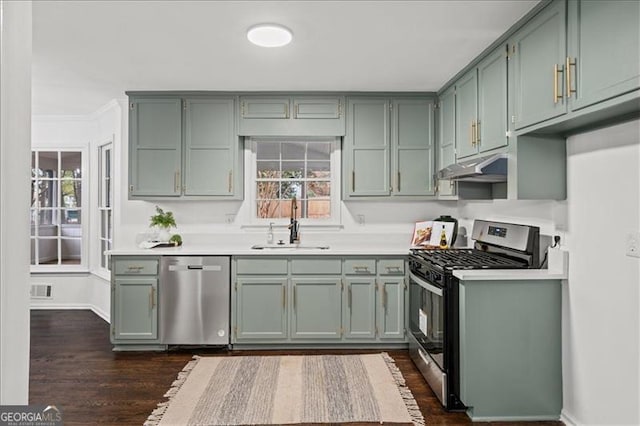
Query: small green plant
{"type": "Point", "coordinates": [163, 220]}
{"type": "Point", "coordinates": [176, 239]}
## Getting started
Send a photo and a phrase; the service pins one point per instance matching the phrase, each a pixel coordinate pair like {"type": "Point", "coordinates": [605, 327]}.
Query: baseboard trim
{"type": "Point", "coordinates": [99, 312]}
{"type": "Point", "coordinates": [568, 419]}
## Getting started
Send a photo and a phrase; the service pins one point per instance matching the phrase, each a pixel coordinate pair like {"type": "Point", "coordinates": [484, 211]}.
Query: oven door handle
{"type": "Point", "coordinates": [425, 285]}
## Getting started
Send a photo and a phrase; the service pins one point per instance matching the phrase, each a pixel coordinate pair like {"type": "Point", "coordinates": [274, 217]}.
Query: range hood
{"type": "Point", "coordinates": [489, 169]}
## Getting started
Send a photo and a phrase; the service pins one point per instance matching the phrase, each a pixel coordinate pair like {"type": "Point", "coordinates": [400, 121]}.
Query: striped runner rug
{"type": "Point", "coordinates": [260, 390]}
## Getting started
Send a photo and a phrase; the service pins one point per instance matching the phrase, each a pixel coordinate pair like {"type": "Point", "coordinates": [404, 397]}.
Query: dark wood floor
{"type": "Point", "coordinates": [73, 367]}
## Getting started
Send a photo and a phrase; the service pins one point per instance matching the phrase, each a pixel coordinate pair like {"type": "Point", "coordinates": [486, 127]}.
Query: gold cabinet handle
{"type": "Point", "coordinates": [286, 111]}
{"type": "Point", "coordinates": [570, 63]}
{"type": "Point", "coordinates": [478, 132]}
{"type": "Point", "coordinates": [230, 181]}
{"type": "Point", "coordinates": [383, 290]}
{"type": "Point", "coordinates": [353, 181]}
{"type": "Point", "coordinates": [360, 269]}
{"type": "Point", "coordinates": [391, 269]}
{"type": "Point", "coordinates": [297, 111]}
{"type": "Point", "coordinates": [472, 131]}
{"type": "Point", "coordinates": [176, 181]}
{"type": "Point", "coordinates": [557, 69]}
{"type": "Point", "coordinates": [284, 297]}
{"type": "Point", "coordinates": [295, 297]}
{"type": "Point", "coordinates": [350, 296]}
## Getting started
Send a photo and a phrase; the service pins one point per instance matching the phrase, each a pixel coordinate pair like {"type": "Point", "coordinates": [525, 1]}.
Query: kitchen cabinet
{"type": "Point", "coordinates": [562, 64]}
{"type": "Point", "coordinates": [511, 349]}
{"type": "Point", "coordinates": [359, 313]}
{"type": "Point", "coordinates": [318, 300]}
{"type": "Point", "coordinates": [603, 59]}
{"type": "Point", "coordinates": [267, 115]}
{"type": "Point", "coordinates": [183, 148]}
{"type": "Point", "coordinates": [390, 310]}
{"type": "Point", "coordinates": [481, 106]}
{"type": "Point", "coordinates": [446, 139]}
{"type": "Point", "coordinates": [316, 308]}
{"type": "Point", "coordinates": [134, 301]}
{"type": "Point", "coordinates": [388, 147]}
{"type": "Point", "coordinates": [261, 308]}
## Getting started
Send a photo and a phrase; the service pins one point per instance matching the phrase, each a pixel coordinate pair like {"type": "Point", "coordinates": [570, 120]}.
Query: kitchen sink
{"type": "Point", "coordinates": [288, 247]}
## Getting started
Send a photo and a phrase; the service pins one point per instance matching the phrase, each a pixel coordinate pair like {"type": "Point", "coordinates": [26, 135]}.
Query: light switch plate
{"type": "Point", "coordinates": [633, 244]}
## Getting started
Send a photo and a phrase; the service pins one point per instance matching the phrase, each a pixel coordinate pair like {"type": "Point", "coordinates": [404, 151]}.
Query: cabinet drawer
{"type": "Point", "coordinates": [261, 266]}
{"type": "Point", "coordinates": [391, 266]}
{"type": "Point", "coordinates": [360, 266]}
{"type": "Point", "coordinates": [316, 266]}
{"type": "Point", "coordinates": [136, 267]}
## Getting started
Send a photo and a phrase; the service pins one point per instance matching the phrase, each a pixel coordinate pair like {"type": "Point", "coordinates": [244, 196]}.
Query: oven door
{"type": "Point", "coordinates": [427, 338]}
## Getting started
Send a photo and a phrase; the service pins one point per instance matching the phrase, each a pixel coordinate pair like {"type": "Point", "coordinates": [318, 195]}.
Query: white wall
{"type": "Point", "coordinates": [601, 326]}
{"type": "Point", "coordinates": [15, 116]}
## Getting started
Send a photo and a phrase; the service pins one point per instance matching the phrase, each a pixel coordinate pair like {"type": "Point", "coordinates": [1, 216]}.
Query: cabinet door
{"type": "Point", "coordinates": [604, 42]}
{"type": "Point", "coordinates": [261, 306]}
{"type": "Point", "coordinates": [466, 114]}
{"type": "Point", "coordinates": [492, 101]}
{"type": "Point", "coordinates": [367, 145]}
{"type": "Point", "coordinates": [264, 107]}
{"type": "Point", "coordinates": [539, 47]}
{"type": "Point", "coordinates": [135, 309]}
{"type": "Point", "coordinates": [446, 138]}
{"type": "Point", "coordinates": [155, 147]}
{"type": "Point", "coordinates": [211, 147]}
{"type": "Point", "coordinates": [412, 142]}
{"type": "Point", "coordinates": [317, 108]}
{"type": "Point", "coordinates": [391, 308]}
{"type": "Point", "coordinates": [359, 311]}
{"type": "Point", "coordinates": [317, 308]}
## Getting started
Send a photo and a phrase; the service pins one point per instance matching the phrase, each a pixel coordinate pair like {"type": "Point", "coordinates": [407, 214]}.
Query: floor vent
{"type": "Point", "coordinates": [41, 291]}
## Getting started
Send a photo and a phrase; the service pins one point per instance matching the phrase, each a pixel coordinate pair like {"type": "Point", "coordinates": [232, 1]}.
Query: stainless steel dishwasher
{"type": "Point", "coordinates": [194, 301]}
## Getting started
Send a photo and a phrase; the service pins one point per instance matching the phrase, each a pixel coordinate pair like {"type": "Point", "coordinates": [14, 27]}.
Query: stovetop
{"type": "Point", "coordinates": [450, 259]}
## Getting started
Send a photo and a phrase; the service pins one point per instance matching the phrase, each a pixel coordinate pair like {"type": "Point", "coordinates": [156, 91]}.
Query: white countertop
{"type": "Point", "coordinates": [508, 274]}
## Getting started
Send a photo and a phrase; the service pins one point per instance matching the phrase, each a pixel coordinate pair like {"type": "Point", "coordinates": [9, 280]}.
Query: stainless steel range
{"type": "Point", "coordinates": [433, 297]}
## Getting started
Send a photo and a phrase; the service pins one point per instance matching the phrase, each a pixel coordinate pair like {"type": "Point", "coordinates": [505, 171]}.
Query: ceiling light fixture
{"type": "Point", "coordinates": [269, 35]}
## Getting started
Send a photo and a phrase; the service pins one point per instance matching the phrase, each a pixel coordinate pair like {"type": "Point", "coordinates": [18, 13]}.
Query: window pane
{"type": "Point", "coordinates": [319, 169]}
{"type": "Point", "coordinates": [70, 164]}
{"type": "Point", "coordinates": [318, 189]}
{"type": "Point", "coordinates": [268, 190]}
{"type": "Point", "coordinates": [268, 169]}
{"type": "Point", "coordinates": [291, 189]}
{"type": "Point", "coordinates": [71, 249]}
{"type": "Point", "coordinates": [268, 150]}
{"type": "Point", "coordinates": [47, 252]}
{"type": "Point", "coordinates": [319, 209]}
{"type": "Point", "coordinates": [319, 151]}
{"type": "Point", "coordinates": [268, 208]}
{"type": "Point", "coordinates": [48, 161]}
{"type": "Point", "coordinates": [71, 216]}
{"type": "Point", "coordinates": [71, 193]}
{"type": "Point", "coordinates": [293, 150]}
{"type": "Point", "coordinates": [293, 169]}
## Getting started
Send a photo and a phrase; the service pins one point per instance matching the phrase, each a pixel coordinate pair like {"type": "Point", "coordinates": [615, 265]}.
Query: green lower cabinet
{"type": "Point", "coordinates": [359, 313]}
{"type": "Point", "coordinates": [135, 310]}
{"type": "Point", "coordinates": [511, 349]}
{"type": "Point", "coordinates": [261, 309]}
{"type": "Point", "coordinates": [316, 304]}
{"type": "Point", "coordinates": [390, 308]}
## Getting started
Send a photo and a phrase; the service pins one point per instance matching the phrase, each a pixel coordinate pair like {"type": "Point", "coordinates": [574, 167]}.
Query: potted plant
{"type": "Point", "coordinates": [164, 221]}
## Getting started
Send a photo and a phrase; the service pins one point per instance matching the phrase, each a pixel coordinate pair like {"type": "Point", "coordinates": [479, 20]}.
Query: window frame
{"type": "Point", "coordinates": [84, 209]}
{"type": "Point", "coordinates": [105, 205]}
{"type": "Point", "coordinates": [251, 189]}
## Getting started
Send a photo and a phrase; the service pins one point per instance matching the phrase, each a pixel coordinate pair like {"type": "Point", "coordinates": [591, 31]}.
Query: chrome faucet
{"type": "Point", "coordinates": [294, 227]}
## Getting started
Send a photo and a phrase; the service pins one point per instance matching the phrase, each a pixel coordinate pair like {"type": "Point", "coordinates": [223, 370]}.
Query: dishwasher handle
{"type": "Point", "coordinates": [176, 268]}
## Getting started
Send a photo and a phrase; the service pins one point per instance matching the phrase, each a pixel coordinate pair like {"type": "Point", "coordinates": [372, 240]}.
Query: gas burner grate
{"type": "Point", "coordinates": [467, 259]}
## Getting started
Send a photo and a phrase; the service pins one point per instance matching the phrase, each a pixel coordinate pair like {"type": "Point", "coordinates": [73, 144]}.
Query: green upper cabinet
{"type": "Point", "coordinates": [538, 52]}
{"type": "Point", "coordinates": [313, 115]}
{"type": "Point", "coordinates": [183, 148]}
{"type": "Point", "coordinates": [446, 138]}
{"type": "Point", "coordinates": [155, 147]}
{"type": "Point", "coordinates": [367, 147]}
{"type": "Point", "coordinates": [603, 50]}
{"type": "Point", "coordinates": [211, 149]}
{"type": "Point", "coordinates": [481, 106]}
{"type": "Point", "coordinates": [388, 147]}
{"type": "Point", "coordinates": [412, 143]}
